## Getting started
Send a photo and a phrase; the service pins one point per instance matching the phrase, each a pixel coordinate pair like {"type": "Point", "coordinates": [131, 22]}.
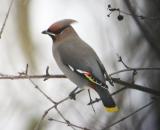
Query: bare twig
{"type": "Point", "coordinates": [42, 92]}
{"type": "Point", "coordinates": [115, 80]}
{"type": "Point", "coordinates": [131, 86]}
{"type": "Point", "coordinates": [47, 73]}
{"type": "Point", "coordinates": [120, 16]}
{"type": "Point", "coordinates": [5, 20]}
{"type": "Point", "coordinates": [137, 87]}
{"type": "Point", "coordinates": [83, 128]}
{"type": "Point", "coordinates": [25, 75]}
{"type": "Point", "coordinates": [134, 73]}
{"type": "Point", "coordinates": [131, 114]}
{"type": "Point", "coordinates": [53, 107]}
{"type": "Point", "coordinates": [16, 77]}
{"type": "Point", "coordinates": [118, 81]}
{"type": "Point", "coordinates": [137, 69]}
{"type": "Point", "coordinates": [67, 122]}
{"type": "Point", "coordinates": [114, 93]}
{"type": "Point", "coordinates": [38, 126]}
{"type": "Point", "coordinates": [43, 76]}
{"type": "Point", "coordinates": [94, 101]}
{"type": "Point", "coordinates": [121, 60]}
{"type": "Point", "coordinates": [91, 100]}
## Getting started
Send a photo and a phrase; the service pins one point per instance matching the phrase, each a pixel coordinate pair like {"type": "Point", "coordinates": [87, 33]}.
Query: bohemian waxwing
{"type": "Point", "coordinates": [79, 62]}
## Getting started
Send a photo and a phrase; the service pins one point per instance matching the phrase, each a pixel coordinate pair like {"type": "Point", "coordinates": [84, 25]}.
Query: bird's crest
{"type": "Point", "coordinates": [60, 25]}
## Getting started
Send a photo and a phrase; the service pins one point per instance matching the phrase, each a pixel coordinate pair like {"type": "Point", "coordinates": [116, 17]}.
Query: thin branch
{"type": "Point", "coordinates": [121, 60]}
{"type": "Point", "coordinates": [53, 107]}
{"type": "Point", "coordinates": [67, 122]}
{"type": "Point", "coordinates": [72, 125]}
{"type": "Point", "coordinates": [91, 100]}
{"type": "Point", "coordinates": [16, 77]}
{"type": "Point", "coordinates": [114, 93]}
{"type": "Point", "coordinates": [5, 20]}
{"type": "Point", "coordinates": [118, 81]}
{"type": "Point", "coordinates": [134, 73]}
{"type": "Point", "coordinates": [115, 80]}
{"type": "Point", "coordinates": [38, 126]}
{"type": "Point", "coordinates": [44, 94]}
{"type": "Point", "coordinates": [25, 75]}
{"type": "Point", "coordinates": [83, 128]}
{"type": "Point", "coordinates": [137, 69]}
{"type": "Point", "coordinates": [47, 73]}
{"type": "Point", "coordinates": [131, 114]}
{"type": "Point", "coordinates": [120, 16]}
{"type": "Point", "coordinates": [131, 86]}
{"type": "Point", "coordinates": [137, 87]}
{"type": "Point", "coordinates": [119, 90]}
{"type": "Point", "coordinates": [131, 68]}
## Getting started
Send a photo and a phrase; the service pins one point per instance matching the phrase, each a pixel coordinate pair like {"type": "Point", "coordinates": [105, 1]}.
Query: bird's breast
{"type": "Point", "coordinates": [73, 76]}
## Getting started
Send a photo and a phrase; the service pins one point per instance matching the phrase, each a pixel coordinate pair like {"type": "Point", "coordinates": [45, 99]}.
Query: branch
{"type": "Point", "coordinates": [5, 20]}
{"type": "Point", "coordinates": [128, 68]}
{"type": "Point", "coordinates": [132, 85]}
{"type": "Point", "coordinates": [44, 76]}
{"type": "Point", "coordinates": [25, 75]}
{"type": "Point", "coordinates": [137, 69]}
{"type": "Point", "coordinates": [38, 126]}
{"type": "Point", "coordinates": [53, 107]}
{"type": "Point", "coordinates": [137, 87]}
{"type": "Point", "coordinates": [131, 114]}
{"type": "Point", "coordinates": [68, 122]}
{"type": "Point", "coordinates": [17, 77]}
{"type": "Point", "coordinates": [91, 100]}
{"type": "Point", "coordinates": [115, 80]}
{"type": "Point", "coordinates": [43, 93]}
{"type": "Point", "coordinates": [114, 93]}
{"type": "Point", "coordinates": [83, 128]}
{"type": "Point", "coordinates": [121, 17]}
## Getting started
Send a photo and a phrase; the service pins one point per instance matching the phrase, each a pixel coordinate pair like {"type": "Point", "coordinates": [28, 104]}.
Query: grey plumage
{"type": "Point", "coordinates": [84, 58]}
{"type": "Point", "coordinates": [74, 56]}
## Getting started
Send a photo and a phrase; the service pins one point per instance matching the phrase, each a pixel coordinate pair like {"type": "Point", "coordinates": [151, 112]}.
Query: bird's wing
{"type": "Point", "coordinates": [107, 77]}
{"type": "Point", "coordinates": [82, 60]}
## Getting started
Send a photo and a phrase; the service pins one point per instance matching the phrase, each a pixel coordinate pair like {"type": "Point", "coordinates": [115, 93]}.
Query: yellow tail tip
{"type": "Point", "coordinates": [112, 109]}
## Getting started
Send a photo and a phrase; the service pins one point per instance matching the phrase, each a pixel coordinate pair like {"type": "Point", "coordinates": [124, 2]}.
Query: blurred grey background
{"type": "Point", "coordinates": [136, 40]}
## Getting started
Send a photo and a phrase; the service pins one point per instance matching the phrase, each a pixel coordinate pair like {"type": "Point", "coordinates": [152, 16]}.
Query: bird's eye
{"type": "Point", "coordinates": [48, 30]}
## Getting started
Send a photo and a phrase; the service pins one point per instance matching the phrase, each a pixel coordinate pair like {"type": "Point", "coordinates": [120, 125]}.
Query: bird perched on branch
{"type": "Point", "coordinates": [79, 62]}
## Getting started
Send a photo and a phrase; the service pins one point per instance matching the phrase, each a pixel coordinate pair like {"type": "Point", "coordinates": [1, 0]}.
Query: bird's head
{"type": "Point", "coordinates": [58, 27]}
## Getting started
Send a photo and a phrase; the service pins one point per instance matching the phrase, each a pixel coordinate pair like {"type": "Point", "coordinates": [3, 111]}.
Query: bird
{"type": "Point", "coordinates": [79, 62]}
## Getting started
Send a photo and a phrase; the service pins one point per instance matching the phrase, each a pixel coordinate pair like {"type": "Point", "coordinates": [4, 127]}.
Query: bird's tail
{"type": "Point", "coordinates": [106, 98]}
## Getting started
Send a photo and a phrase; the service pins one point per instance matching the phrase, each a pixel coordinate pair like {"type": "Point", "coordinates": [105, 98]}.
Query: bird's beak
{"type": "Point", "coordinates": [49, 33]}
{"type": "Point", "coordinates": [44, 32]}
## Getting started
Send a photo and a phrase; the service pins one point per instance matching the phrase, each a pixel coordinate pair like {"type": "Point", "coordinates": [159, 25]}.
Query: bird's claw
{"type": "Point", "coordinates": [72, 96]}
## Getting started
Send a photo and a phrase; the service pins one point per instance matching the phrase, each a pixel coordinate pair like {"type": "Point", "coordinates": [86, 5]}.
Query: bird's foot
{"type": "Point", "coordinates": [72, 95]}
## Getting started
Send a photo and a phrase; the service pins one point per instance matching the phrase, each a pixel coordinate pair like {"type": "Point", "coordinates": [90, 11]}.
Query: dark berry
{"type": "Point", "coordinates": [109, 6]}
{"type": "Point", "coordinates": [120, 17]}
